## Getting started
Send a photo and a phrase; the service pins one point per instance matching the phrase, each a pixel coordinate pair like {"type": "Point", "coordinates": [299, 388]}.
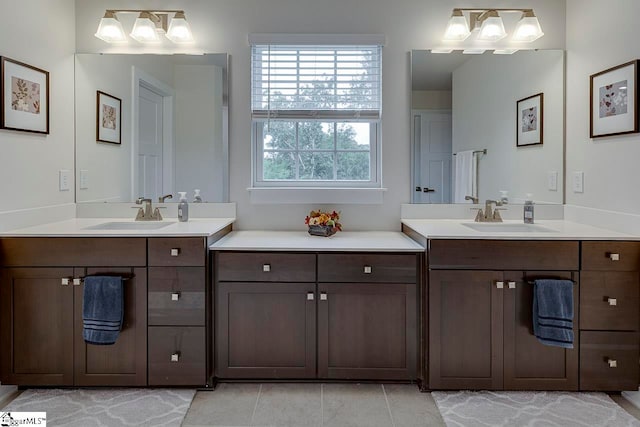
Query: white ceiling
{"type": "Point", "coordinates": [432, 71]}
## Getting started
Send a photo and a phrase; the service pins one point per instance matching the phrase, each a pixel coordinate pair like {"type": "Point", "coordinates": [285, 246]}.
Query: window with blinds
{"type": "Point", "coordinates": [316, 114]}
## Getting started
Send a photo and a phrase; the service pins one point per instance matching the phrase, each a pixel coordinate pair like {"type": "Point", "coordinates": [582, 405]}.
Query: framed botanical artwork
{"type": "Point", "coordinates": [25, 97]}
{"type": "Point", "coordinates": [108, 118]}
{"type": "Point", "coordinates": [530, 120]}
{"type": "Point", "coordinates": [614, 101]}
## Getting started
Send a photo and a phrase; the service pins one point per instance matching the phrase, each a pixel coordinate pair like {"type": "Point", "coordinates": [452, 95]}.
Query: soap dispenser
{"type": "Point", "coordinates": [183, 207]}
{"type": "Point", "coordinates": [196, 196]}
{"type": "Point", "coordinates": [528, 209]}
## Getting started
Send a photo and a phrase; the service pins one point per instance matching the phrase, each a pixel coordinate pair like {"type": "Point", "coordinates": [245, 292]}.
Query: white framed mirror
{"type": "Point", "coordinates": [173, 124]}
{"type": "Point", "coordinates": [469, 104]}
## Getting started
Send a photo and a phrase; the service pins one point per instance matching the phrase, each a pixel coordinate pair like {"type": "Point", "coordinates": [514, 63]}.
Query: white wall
{"type": "Point", "coordinates": [40, 33]}
{"type": "Point", "coordinates": [222, 26]}
{"type": "Point", "coordinates": [198, 122]}
{"type": "Point", "coordinates": [109, 165]}
{"type": "Point", "coordinates": [486, 89]}
{"type": "Point", "coordinates": [596, 43]}
{"type": "Point", "coordinates": [431, 99]}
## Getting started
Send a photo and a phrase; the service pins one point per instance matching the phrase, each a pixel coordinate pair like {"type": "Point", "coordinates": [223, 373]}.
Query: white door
{"type": "Point", "coordinates": [150, 153]}
{"type": "Point", "coordinates": [432, 156]}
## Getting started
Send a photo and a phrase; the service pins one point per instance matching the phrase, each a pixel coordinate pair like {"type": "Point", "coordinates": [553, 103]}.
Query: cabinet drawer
{"type": "Point", "coordinates": [609, 300]}
{"type": "Point", "coordinates": [619, 256]}
{"type": "Point", "coordinates": [73, 251]}
{"type": "Point", "coordinates": [503, 255]}
{"type": "Point", "coordinates": [600, 349]}
{"type": "Point", "coordinates": [177, 251]}
{"type": "Point", "coordinates": [266, 267]}
{"type": "Point", "coordinates": [389, 268]}
{"type": "Point", "coordinates": [188, 346]}
{"type": "Point", "coordinates": [176, 296]}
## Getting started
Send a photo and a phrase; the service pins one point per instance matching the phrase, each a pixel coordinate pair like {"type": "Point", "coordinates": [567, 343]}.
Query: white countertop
{"type": "Point", "coordinates": [361, 241]}
{"type": "Point", "coordinates": [558, 230]}
{"type": "Point", "coordinates": [81, 227]}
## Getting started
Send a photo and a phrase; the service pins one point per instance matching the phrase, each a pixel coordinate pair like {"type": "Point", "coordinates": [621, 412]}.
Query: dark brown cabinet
{"type": "Point", "coordinates": [354, 316]}
{"type": "Point", "coordinates": [610, 316]}
{"type": "Point", "coordinates": [178, 298]}
{"type": "Point", "coordinates": [41, 312]}
{"type": "Point", "coordinates": [266, 330]}
{"type": "Point", "coordinates": [480, 321]}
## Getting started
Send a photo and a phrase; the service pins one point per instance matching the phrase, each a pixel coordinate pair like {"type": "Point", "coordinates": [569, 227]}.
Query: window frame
{"type": "Point", "coordinates": [328, 116]}
{"type": "Point", "coordinates": [374, 180]}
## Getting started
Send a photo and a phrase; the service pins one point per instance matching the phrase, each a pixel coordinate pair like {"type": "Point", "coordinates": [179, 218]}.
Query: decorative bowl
{"type": "Point", "coordinates": [322, 230]}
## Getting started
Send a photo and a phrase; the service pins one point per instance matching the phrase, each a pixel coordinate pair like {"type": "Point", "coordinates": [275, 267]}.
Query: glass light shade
{"type": "Point", "coordinates": [492, 28]}
{"type": "Point", "coordinates": [110, 29]}
{"type": "Point", "coordinates": [504, 51]}
{"type": "Point", "coordinates": [474, 51]}
{"type": "Point", "coordinates": [179, 29]}
{"type": "Point", "coordinates": [144, 30]}
{"type": "Point", "coordinates": [458, 28]}
{"type": "Point", "coordinates": [527, 29]}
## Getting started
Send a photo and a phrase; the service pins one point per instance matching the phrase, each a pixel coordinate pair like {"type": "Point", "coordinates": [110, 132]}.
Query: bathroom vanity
{"type": "Point", "coordinates": [167, 310]}
{"type": "Point", "coordinates": [292, 306]}
{"type": "Point", "coordinates": [479, 299]}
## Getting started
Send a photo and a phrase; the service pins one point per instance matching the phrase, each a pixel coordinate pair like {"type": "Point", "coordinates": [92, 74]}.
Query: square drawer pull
{"type": "Point", "coordinates": [266, 268]}
{"type": "Point", "coordinates": [65, 281]}
{"type": "Point", "coordinates": [367, 269]}
{"type": "Point", "coordinates": [323, 296]}
{"type": "Point", "coordinates": [614, 257]}
{"type": "Point", "coordinates": [309, 296]}
{"type": "Point", "coordinates": [175, 251]}
{"type": "Point", "coordinates": [512, 285]}
{"type": "Point", "coordinates": [77, 282]}
{"type": "Point", "coordinates": [175, 296]}
{"type": "Point", "coordinates": [613, 363]}
{"type": "Point", "coordinates": [499, 285]}
{"type": "Point", "coordinates": [612, 301]}
{"type": "Point", "coordinates": [175, 357]}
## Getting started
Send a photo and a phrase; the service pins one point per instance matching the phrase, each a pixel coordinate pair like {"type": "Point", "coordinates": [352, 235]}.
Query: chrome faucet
{"type": "Point", "coordinates": [489, 214]}
{"type": "Point", "coordinates": [146, 215]}
{"type": "Point", "coordinates": [474, 200]}
{"type": "Point", "coordinates": [161, 199]}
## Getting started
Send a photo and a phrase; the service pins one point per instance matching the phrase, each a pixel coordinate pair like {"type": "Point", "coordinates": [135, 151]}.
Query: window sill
{"type": "Point", "coordinates": [307, 195]}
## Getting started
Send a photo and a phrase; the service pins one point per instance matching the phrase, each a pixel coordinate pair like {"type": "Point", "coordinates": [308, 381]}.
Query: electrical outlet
{"type": "Point", "coordinates": [552, 181]}
{"type": "Point", "coordinates": [64, 176]}
{"type": "Point", "coordinates": [84, 179]}
{"type": "Point", "coordinates": [578, 182]}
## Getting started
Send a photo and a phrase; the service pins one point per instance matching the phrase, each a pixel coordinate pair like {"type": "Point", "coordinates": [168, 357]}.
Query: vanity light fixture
{"type": "Point", "coordinates": [474, 51]}
{"type": "Point", "coordinates": [458, 28]}
{"type": "Point", "coordinates": [492, 27]}
{"type": "Point", "coordinates": [110, 29]}
{"type": "Point", "coordinates": [149, 25]}
{"type": "Point", "coordinates": [488, 25]}
{"type": "Point", "coordinates": [505, 51]}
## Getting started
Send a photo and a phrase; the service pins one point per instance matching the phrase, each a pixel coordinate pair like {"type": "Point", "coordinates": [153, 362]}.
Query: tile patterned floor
{"type": "Point", "coordinates": [313, 405]}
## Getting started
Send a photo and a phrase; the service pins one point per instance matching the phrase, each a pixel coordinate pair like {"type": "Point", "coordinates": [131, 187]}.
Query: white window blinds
{"type": "Point", "coordinates": [318, 82]}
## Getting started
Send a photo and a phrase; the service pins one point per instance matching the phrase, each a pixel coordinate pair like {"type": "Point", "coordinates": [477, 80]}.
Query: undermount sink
{"type": "Point", "coordinates": [500, 227]}
{"type": "Point", "coordinates": [128, 225]}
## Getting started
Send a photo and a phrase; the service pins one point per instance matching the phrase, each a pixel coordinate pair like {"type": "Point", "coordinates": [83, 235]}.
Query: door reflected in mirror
{"type": "Point", "coordinates": [465, 122]}
{"type": "Point", "coordinates": [174, 123]}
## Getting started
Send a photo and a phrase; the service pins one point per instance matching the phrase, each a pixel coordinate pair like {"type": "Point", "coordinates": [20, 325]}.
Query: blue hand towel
{"type": "Point", "coordinates": [553, 312]}
{"type": "Point", "coordinates": [102, 309]}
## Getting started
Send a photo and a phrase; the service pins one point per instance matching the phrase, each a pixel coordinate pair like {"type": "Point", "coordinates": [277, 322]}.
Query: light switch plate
{"type": "Point", "coordinates": [84, 179]}
{"type": "Point", "coordinates": [64, 179]}
{"type": "Point", "coordinates": [578, 182]}
{"type": "Point", "coordinates": [552, 181]}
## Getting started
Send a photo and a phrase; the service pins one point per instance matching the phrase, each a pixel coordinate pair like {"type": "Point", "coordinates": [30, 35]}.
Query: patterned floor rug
{"type": "Point", "coordinates": [106, 407]}
{"type": "Point", "coordinates": [485, 408]}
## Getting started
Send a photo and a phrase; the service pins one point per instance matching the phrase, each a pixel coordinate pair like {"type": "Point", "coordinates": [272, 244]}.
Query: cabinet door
{"type": "Point", "coordinates": [265, 330]}
{"type": "Point", "coordinates": [36, 325]}
{"type": "Point", "coordinates": [529, 364]}
{"type": "Point", "coordinates": [125, 362]}
{"type": "Point", "coordinates": [465, 329]}
{"type": "Point", "coordinates": [367, 331]}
